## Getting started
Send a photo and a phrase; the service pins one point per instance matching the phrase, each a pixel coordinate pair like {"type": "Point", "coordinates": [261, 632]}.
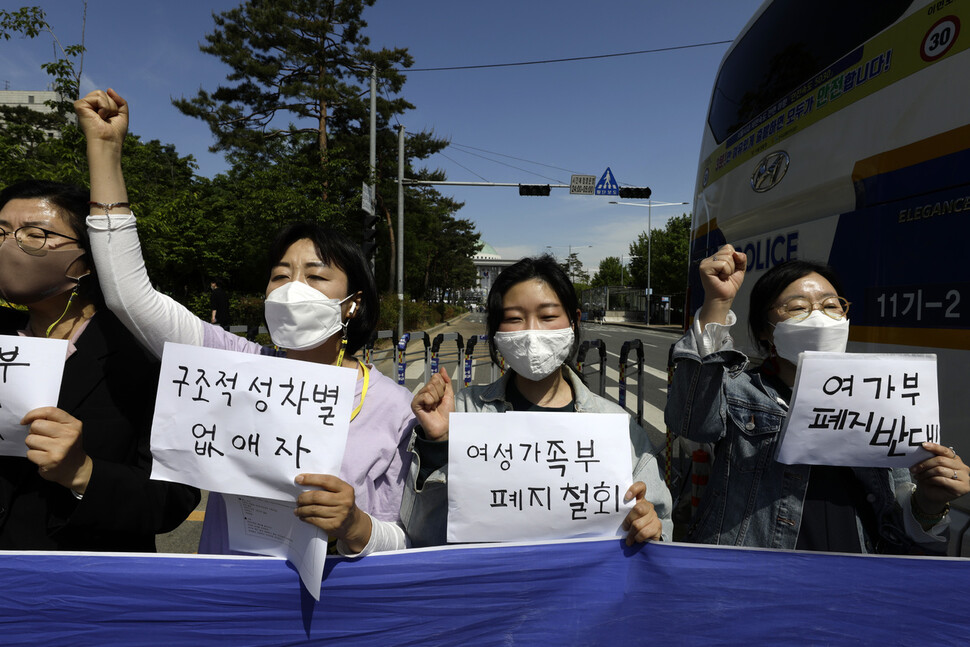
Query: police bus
{"type": "Point", "coordinates": [840, 131]}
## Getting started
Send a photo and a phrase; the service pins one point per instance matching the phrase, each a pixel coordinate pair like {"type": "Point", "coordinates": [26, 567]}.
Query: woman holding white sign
{"type": "Point", "coordinates": [715, 397]}
{"type": "Point", "coordinates": [321, 306]}
{"type": "Point", "coordinates": [533, 321]}
{"type": "Point", "coordinates": [84, 481]}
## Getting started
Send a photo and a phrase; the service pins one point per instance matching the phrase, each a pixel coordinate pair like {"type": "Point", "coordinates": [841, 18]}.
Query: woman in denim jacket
{"type": "Point", "coordinates": [533, 320]}
{"type": "Point", "coordinates": [752, 500]}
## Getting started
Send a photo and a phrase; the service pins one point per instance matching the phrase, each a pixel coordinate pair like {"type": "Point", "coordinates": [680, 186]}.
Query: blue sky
{"type": "Point", "coordinates": [640, 115]}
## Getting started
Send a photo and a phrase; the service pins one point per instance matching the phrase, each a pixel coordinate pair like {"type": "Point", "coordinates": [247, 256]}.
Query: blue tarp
{"type": "Point", "coordinates": [569, 593]}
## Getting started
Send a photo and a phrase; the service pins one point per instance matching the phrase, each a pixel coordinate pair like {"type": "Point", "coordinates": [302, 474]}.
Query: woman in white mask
{"type": "Point", "coordinates": [533, 322]}
{"type": "Point", "coordinates": [321, 306]}
{"type": "Point", "coordinates": [715, 397]}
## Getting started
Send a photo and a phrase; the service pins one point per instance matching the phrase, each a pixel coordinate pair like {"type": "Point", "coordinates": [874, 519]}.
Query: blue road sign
{"type": "Point", "coordinates": [607, 184]}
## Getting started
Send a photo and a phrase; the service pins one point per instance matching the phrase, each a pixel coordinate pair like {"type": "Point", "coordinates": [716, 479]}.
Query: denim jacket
{"type": "Point", "coordinates": [424, 511]}
{"type": "Point", "coordinates": [751, 499]}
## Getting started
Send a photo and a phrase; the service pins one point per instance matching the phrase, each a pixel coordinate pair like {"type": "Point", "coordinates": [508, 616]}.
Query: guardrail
{"type": "Point", "coordinates": [635, 345]}
{"type": "Point", "coordinates": [495, 371]}
{"type": "Point", "coordinates": [371, 355]}
{"type": "Point", "coordinates": [403, 355]}
{"type": "Point", "coordinates": [437, 355]}
{"type": "Point", "coordinates": [584, 347]}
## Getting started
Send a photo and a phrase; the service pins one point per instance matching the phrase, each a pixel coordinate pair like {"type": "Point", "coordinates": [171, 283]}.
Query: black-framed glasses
{"type": "Point", "coordinates": [798, 308]}
{"type": "Point", "coordinates": [32, 238]}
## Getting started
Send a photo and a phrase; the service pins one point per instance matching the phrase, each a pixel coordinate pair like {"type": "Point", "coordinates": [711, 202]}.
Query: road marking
{"type": "Point", "coordinates": [649, 370]}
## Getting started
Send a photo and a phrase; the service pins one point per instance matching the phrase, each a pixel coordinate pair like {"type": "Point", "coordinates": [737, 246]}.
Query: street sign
{"type": "Point", "coordinates": [582, 184]}
{"type": "Point", "coordinates": [607, 184]}
{"type": "Point", "coordinates": [367, 198]}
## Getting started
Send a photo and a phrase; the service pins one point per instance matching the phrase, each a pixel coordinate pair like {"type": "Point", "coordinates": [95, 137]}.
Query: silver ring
{"type": "Point", "coordinates": [955, 476]}
{"type": "Point", "coordinates": [714, 258]}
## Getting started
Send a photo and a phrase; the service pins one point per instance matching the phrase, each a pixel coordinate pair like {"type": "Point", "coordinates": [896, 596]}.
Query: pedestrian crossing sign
{"type": "Point", "coordinates": [607, 184]}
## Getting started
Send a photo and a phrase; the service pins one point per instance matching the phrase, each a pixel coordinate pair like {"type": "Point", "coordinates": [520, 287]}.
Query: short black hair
{"type": "Point", "coordinates": [773, 283]}
{"type": "Point", "coordinates": [542, 268]}
{"type": "Point", "coordinates": [72, 202]}
{"type": "Point", "coordinates": [337, 250]}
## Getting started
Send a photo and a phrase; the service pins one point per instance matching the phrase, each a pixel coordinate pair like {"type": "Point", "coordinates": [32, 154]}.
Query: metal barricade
{"type": "Point", "coordinates": [437, 355]}
{"type": "Point", "coordinates": [628, 345]}
{"type": "Point", "coordinates": [402, 354]}
{"type": "Point", "coordinates": [369, 347]}
{"type": "Point", "coordinates": [584, 347]}
{"type": "Point", "coordinates": [496, 371]}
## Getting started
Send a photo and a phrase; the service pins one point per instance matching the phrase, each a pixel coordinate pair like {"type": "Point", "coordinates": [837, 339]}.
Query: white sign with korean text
{"type": "Point", "coordinates": [531, 476]}
{"type": "Point", "coordinates": [582, 184]}
{"type": "Point", "coordinates": [267, 527]}
{"type": "Point", "coordinates": [861, 410]}
{"type": "Point", "coordinates": [248, 424]}
{"type": "Point", "coordinates": [30, 377]}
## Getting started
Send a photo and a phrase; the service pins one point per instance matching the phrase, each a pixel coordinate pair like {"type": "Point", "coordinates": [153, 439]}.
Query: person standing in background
{"type": "Point", "coordinates": [219, 304]}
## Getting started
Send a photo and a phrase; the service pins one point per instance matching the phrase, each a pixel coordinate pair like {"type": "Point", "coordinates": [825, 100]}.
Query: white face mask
{"type": "Point", "coordinates": [301, 318]}
{"type": "Point", "coordinates": [535, 354]}
{"type": "Point", "coordinates": [818, 332]}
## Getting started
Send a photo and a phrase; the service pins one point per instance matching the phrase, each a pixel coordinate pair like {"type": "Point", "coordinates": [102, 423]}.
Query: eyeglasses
{"type": "Point", "coordinates": [31, 238]}
{"type": "Point", "coordinates": [798, 309]}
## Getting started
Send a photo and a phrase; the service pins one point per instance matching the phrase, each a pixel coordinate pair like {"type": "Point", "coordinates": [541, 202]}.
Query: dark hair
{"type": "Point", "coordinates": [542, 268]}
{"type": "Point", "coordinates": [335, 249]}
{"type": "Point", "coordinates": [773, 283]}
{"type": "Point", "coordinates": [71, 202]}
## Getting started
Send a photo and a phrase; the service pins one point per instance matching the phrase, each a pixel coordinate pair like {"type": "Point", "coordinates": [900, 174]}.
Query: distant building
{"type": "Point", "coordinates": [33, 99]}
{"type": "Point", "coordinates": [488, 264]}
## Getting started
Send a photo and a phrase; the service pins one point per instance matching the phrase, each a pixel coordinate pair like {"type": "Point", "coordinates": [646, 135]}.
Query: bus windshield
{"type": "Point", "coordinates": [790, 42]}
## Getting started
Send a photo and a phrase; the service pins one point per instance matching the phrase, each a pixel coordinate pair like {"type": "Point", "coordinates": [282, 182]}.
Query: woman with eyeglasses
{"type": "Point", "coordinates": [717, 397]}
{"type": "Point", "coordinates": [84, 482]}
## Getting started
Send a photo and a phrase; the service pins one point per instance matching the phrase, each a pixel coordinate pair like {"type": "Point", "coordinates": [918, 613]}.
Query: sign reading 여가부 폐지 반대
{"type": "Point", "coordinates": [30, 377]}
{"type": "Point", "coordinates": [530, 476]}
{"type": "Point", "coordinates": [247, 424]}
{"type": "Point", "coordinates": [861, 410]}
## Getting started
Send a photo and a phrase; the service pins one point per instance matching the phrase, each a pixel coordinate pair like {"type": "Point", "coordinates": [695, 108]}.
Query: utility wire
{"type": "Point", "coordinates": [455, 162]}
{"type": "Point", "coordinates": [562, 60]}
{"type": "Point", "coordinates": [558, 168]}
{"type": "Point", "coordinates": [518, 168]}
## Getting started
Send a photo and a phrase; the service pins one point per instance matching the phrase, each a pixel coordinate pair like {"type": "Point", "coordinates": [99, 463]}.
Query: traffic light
{"type": "Point", "coordinates": [533, 189]}
{"type": "Point", "coordinates": [368, 243]}
{"type": "Point", "coordinates": [635, 192]}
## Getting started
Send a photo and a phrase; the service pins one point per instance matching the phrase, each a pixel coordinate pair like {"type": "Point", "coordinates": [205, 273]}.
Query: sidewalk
{"type": "Point", "coordinates": [673, 329]}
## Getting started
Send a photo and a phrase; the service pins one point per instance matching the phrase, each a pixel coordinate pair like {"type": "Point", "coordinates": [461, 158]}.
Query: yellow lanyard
{"type": "Point", "coordinates": [363, 392]}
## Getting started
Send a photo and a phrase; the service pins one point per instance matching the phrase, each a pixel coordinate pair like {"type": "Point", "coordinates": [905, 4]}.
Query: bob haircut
{"type": "Point", "coordinates": [71, 202]}
{"type": "Point", "coordinates": [336, 250]}
{"type": "Point", "coordinates": [773, 283]}
{"type": "Point", "coordinates": [541, 268]}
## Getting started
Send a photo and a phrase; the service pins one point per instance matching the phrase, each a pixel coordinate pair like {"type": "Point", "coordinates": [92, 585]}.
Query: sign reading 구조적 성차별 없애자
{"type": "Point", "coordinates": [30, 377]}
{"type": "Point", "coordinates": [247, 424]}
{"type": "Point", "coordinates": [862, 410]}
{"type": "Point", "coordinates": [529, 476]}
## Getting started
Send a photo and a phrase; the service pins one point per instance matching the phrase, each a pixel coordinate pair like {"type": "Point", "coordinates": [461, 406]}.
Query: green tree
{"type": "Point", "coordinates": [668, 254]}
{"type": "Point", "coordinates": [610, 272]}
{"type": "Point", "coordinates": [31, 22]}
{"type": "Point", "coordinates": [38, 144]}
{"type": "Point", "coordinates": [295, 65]}
{"type": "Point", "coordinates": [298, 73]}
{"type": "Point", "coordinates": [573, 268]}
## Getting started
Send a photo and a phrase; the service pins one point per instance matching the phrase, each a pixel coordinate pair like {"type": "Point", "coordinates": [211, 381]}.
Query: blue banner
{"type": "Point", "coordinates": [570, 593]}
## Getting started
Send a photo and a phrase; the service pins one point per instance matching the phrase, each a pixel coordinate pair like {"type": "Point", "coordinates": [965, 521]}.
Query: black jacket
{"type": "Point", "coordinates": [109, 385]}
